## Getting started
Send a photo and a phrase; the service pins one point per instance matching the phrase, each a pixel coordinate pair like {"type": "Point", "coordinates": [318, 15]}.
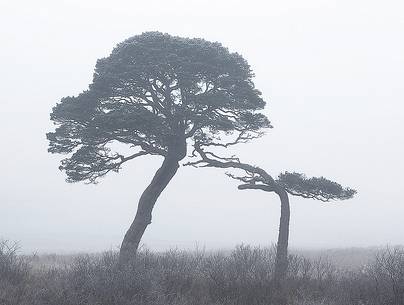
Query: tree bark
{"type": "Point", "coordinates": [163, 176]}
{"type": "Point", "coordinates": [281, 261]}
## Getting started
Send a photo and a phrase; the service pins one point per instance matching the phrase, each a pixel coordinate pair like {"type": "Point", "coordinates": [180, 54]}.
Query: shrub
{"type": "Point", "coordinates": [241, 277]}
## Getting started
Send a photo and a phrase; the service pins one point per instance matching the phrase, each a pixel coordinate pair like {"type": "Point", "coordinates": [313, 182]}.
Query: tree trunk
{"type": "Point", "coordinates": [281, 260]}
{"type": "Point", "coordinates": [143, 216]}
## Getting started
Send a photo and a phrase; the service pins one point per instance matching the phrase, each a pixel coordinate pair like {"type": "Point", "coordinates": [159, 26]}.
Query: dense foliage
{"type": "Point", "coordinates": [151, 94]}
{"type": "Point", "coordinates": [319, 188]}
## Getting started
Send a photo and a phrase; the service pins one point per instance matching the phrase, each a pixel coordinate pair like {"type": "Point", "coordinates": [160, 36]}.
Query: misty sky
{"type": "Point", "coordinates": [332, 73]}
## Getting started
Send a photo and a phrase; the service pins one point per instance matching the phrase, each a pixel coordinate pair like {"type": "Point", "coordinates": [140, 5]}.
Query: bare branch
{"type": "Point", "coordinates": [262, 187]}
{"type": "Point", "coordinates": [232, 162]}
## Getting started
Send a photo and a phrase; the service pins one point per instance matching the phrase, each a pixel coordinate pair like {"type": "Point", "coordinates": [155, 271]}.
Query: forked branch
{"type": "Point", "coordinates": [254, 177]}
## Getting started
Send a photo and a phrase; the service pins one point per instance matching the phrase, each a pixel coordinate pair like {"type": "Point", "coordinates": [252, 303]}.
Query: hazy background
{"type": "Point", "coordinates": [332, 73]}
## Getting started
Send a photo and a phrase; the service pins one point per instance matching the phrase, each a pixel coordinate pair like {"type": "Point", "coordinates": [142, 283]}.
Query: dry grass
{"type": "Point", "coordinates": [242, 277]}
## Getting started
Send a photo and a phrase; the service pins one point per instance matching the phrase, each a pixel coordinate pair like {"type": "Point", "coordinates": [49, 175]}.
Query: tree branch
{"type": "Point", "coordinates": [262, 187]}
{"type": "Point", "coordinates": [231, 162]}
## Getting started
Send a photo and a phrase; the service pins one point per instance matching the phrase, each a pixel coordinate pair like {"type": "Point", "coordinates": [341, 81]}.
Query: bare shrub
{"type": "Point", "coordinates": [14, 274]}
{"type": "Point", "coordinates": [241, 277]}
{"type": "Point", "coordinates": [387, 273]}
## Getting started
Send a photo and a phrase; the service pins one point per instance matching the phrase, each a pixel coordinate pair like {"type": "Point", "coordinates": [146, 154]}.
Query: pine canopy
{"type": "Point", "coordinates": [154, 93]}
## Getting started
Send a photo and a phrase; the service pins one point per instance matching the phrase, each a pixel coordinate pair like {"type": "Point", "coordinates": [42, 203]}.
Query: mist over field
{"type": "Point", "coordinates": [202, 153]}
{"type": "Point", "coordinates": [330, 71]}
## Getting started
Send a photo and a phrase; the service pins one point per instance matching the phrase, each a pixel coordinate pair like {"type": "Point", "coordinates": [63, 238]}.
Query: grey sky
{"type": "Point", "coordinates": [332, 73]}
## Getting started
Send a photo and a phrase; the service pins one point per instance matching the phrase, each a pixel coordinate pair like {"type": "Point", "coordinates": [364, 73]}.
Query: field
{"type": "Point", "coordinates": [242, 276]}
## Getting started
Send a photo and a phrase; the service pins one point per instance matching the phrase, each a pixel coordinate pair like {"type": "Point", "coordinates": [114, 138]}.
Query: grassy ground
{"type": "Point", "coordinates": [242, 276]}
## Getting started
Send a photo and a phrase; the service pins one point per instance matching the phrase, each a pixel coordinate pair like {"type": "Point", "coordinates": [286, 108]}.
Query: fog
{"type": "Point", "coordinates": [332, 73]}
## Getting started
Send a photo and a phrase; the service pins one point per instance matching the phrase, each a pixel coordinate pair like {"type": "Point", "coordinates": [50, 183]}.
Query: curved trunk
{"type": "Point", "coordinates": [281, 262]}
{"type": "Point", "coordinates": [149, 197]}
